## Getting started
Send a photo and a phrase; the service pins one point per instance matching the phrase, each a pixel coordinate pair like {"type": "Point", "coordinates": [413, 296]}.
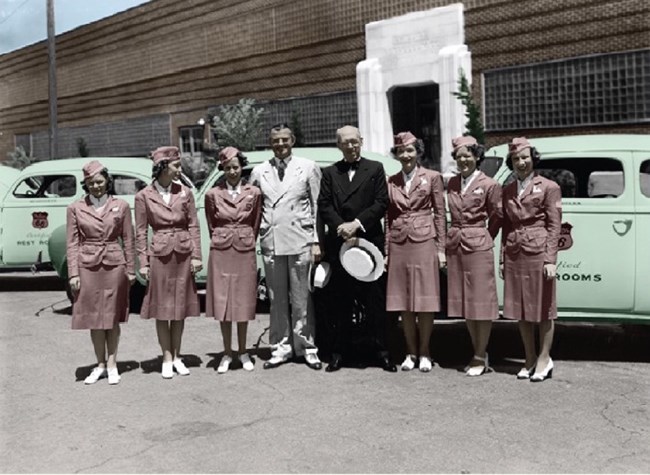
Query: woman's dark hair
{"type": "Point", "coordinates": [243, 161]}
{"type": "Point", "coordinates": [110, 189]}
{"type": "Point", "coordinates": [158, 168]}
{"type": "Point", "coordinates": [419, 149]}
{"type": "Point", "coordinates": [475, 149]}
{"type": "Point", "coordinates": [534, 154]}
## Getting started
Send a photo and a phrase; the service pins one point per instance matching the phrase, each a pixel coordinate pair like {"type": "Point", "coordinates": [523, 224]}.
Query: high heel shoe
{"type": "Point", "coordinates": [524, 373]}
{"type": "Point", "coordinates": [478, 370]}
{"type": "Point", "coordinates": [542, 375]}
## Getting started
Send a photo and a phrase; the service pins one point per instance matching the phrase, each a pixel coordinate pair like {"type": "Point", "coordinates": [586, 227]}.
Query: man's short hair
{"type": "Point", "coordinates": [280, 126]}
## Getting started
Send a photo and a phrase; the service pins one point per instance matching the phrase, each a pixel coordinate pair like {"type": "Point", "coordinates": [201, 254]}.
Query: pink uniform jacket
{"type": "Point", "coordinates": [92, 238]}
{"type": "Point", "coordinates": [418, 215]}
{"type": "Point", "coordinates": [481, 202]}
{"type": "Point", "coordinates": [233, 222]}
{"type": "Point", "coordinates": [175, 225]}
{"type": "Point", "coordinates": [531, 223]}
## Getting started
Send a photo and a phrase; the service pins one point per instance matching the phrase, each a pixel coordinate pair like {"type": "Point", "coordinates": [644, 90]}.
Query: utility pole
{"type": "Point", "coordinates": [51, 63]}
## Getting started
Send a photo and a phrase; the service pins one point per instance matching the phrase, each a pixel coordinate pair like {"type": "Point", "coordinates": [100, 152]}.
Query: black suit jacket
{"type": "Point", "coordinates": [364, 198]}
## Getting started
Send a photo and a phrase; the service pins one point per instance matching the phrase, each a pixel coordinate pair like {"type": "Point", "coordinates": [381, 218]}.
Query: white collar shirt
{"type": "Point", "coordinates": [98, 203]}
{"type": "Point", "coordinates": [234, 191]}
{"type": "Point", "coordinates": [466, 181]}
{"type": "Point", "coordinates": [165, 192]}
{"type": "Point", "coordinates": [523, 184]}
{"type": "Point", "coordinates": [408, 179]}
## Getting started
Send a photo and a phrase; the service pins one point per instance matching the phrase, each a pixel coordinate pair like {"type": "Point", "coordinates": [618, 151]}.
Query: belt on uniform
{"type": "Point", "coordinates": [468, 225]}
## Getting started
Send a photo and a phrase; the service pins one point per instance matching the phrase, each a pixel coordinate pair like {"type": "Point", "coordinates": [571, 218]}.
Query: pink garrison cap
{"type": "Point", "coordinates": [165, 153]}
{"type": "Point", "coordinates": [463, 141]}
{"type": "Point", "coordinates": [404, 138]}
{"type": "Point", "coordinates": [227, 154]}
{"type": "Point", "coordinates": [91, 169]}
{"type": "Point", "coordinates": [518, 144]}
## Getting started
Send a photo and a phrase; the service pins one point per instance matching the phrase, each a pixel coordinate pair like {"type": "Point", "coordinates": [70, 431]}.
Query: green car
{"type": "Point", "coordinates": [142, 169]}
{"type": "Point", "coordinates": [603, 266]}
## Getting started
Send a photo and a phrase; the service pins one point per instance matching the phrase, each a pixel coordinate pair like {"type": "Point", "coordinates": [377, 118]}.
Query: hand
{"type": "Point", "coordinates": [316, 254]}
{"type": "Point", "coordinates": [348, 230]}
{"type": "Point", "coordinates": [442, 260]}
{"type": "Point", "coordinates": [549, 271]}
{"type": "Point", "coordinates": [196, 265]}
{"type": "Point", "coordinates": [131, 278]}
{"type": "Point", "coordinates": [144, 272]}
{"type": "Point", "coordinates": [75, 284]}
{"type": "Point", "coordinates": [501, 270]}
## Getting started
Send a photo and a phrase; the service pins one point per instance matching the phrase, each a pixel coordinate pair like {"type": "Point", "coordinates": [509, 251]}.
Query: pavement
{"type": "Point", "coordinates": [592, 417]}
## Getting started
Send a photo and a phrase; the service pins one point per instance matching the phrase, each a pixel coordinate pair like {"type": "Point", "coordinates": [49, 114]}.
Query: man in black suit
{"type": "Point", "coordinates": [353, 199]}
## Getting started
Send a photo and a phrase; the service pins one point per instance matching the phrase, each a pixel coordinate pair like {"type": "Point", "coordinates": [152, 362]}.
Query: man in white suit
{"type": "Point", "coordinates": [290, 186]}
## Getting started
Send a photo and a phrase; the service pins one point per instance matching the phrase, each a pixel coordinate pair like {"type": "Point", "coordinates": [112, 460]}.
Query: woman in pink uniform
{"type": "Point", "coordinates": [415, 247]}
{"type": "Point", "coordinates": [475, 205]}
{"type": "Point", "coordinates": [173, 256]}
{"type": "Point", "coordinates": [532, 208]}
{"type": "Point", "coordinates": [99, 268]}
{"type": "Point", "coordinates": [233, 209]}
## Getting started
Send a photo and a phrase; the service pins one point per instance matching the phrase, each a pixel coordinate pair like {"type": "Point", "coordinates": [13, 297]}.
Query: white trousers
{"type": "Point", "coordinates": [287, 282]}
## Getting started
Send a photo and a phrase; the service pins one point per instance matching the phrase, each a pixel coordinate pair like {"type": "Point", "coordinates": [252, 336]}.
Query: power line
{"type": "Point", "coordinates": [11, 14]}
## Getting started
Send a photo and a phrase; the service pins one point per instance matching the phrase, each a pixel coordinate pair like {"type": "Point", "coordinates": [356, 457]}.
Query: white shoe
{"type": "Point", "coordinates": [409, 363]}
{"type": "Point", "coordinates": [524, 373]}
{"type": "Point", "coordinates": [246, 362]}
{"type": "Point", "coordinates": [425, 364]}
{"type": "Point", "coordinates": [542, 375]}
{"type": "Point", "coordinates": [113, 376]}
{"type": "Point", "coordinates": [180, 367]}
{"type": "Point", "coordinates": [224, 366]}
{"type": "Point", "coordinates": [95, 375]}
{"type": "Point", "coordinates": [167, 370]}
{"type": "Point", "coordinates": [478, 370]}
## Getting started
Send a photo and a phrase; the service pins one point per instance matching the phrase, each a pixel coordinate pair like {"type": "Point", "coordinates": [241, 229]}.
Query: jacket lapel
{"type": "Point", "coordinates": [270, 177]}
{"type": "Point", "coordinates": [360, 176]}
{"type": "Point", "coordinates": [155, 196]}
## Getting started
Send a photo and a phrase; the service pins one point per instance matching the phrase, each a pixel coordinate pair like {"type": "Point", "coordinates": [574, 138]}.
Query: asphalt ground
{"type": "Point", "coordinates": [591, 417]}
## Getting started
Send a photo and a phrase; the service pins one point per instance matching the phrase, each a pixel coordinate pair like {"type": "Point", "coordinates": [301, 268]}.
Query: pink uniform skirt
{"type": "Point", "coordinates": [413, 277]}
{"type": "Point", "coordinates": [103, 298]}
{"type": "Point", "coordinates": [471, 285]}
{"type": "Point", "coordinates": [231, 292]}
{"type": "Point", "coordinates": [527, 294]}
{"type": "Point", "coordinates": [171, 291]}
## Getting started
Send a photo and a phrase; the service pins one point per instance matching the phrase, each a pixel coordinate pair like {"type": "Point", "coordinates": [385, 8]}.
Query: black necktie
{"type": "Point", "coordinates": [282, 166]}
{"type": "Point", "coordinates": [347, 166]}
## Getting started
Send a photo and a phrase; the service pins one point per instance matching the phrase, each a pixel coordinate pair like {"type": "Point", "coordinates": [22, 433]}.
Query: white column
{"type": "Point", "coordinates": [374, 116]}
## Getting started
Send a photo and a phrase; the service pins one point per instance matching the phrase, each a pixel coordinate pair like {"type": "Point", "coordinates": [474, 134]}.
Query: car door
{"type": "Point", "coordinates": [597, 243]}
{"type": "Point", "coordinates": [30, 212]}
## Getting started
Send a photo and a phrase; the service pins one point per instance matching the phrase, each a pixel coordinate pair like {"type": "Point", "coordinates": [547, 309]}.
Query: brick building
{"type": "Point", "coordinates": [144, 77]}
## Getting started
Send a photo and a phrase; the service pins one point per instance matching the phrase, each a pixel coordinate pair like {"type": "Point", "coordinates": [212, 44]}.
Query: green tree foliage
{"type": "Point", "coordinates": [238, 125]}
{"type": "Point", "coordinates": [19, 159]}
{"type": "Point", "coordinates": [473, 126]}
{"type": "Point", "coordinates": [82, 147]}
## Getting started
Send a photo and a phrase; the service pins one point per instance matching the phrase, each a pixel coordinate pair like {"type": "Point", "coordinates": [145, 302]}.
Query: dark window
{"type": "Point", "coordinates": [46, 186]}
{"type": "Point", "coordinates": [191, 139]}
{"type": "Point", "coordinates": [644, 178]}
{"type": "Point", "coordinates": [127, 185]}
{"type": "Point", "coordinates": [583, 177]}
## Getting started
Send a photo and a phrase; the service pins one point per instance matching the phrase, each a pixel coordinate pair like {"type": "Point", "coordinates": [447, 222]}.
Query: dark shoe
{"type": "Point", "coordinates": [335, 363]}
{"type": "Point", "coordinates": [274, 362]}
{"type": "Point", "coordinates": [311, 359]}
{"type": "Point", "coordinates": [387, 365]}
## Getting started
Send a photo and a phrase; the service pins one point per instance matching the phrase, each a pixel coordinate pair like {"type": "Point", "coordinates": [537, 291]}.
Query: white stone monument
{"type": "Point", "coordinates": [414, 49]}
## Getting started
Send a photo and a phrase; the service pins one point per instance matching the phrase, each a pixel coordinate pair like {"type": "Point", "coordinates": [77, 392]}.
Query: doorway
{"type": "Point", "coordinates": [417, 109]}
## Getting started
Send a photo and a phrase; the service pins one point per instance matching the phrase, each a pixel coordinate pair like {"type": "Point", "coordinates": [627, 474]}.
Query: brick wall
{"type": "Point", "coordinates": [170, 57]}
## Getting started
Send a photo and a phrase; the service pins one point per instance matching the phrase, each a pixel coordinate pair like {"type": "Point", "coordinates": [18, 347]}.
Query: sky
{"type": "Point", "coordinates": [24, 22]}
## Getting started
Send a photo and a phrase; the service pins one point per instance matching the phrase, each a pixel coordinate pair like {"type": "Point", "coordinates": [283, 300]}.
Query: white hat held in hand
{"type": "Point", "coordinates": [319, 275]}
{"type": "Point", "coordinates": [362, 259]}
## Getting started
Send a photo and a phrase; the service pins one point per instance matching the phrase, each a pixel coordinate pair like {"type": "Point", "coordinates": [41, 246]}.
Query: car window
{"type": "Point", "coordinates": [644, 177]}
{"type": "Point", "coordinates": [46, 186]}
{"type": "Point", "coordinates": [583, 177]}
{"type": "Point", "coordinates": [127, 185]}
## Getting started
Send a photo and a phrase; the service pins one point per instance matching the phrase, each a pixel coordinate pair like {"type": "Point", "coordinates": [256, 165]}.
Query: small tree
{"type": "Point", "coordinates": [296, 128]}
{"type": "Point", "coordinates": [19, 159]}
{"type": "Point", "coordinates": [473, 126]}
{"type": "Point", "coordinates": [238, 125]}
{"type": "Point", "coordinates": [82, 147]}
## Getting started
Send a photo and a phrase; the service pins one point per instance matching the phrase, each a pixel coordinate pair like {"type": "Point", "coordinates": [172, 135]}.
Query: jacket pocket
{"type": "Point", "coordinates": [221, 238]}
{"type": "Point", "coordinates": [398, 234]}
{"type": "Point", "coordinates": [535, 241]}
{"type": "Point", "coordinates": [245, 239]}
{"type": "Point", "coordinates": [160, 245]}
{"type": "Point", "coordinates": [114, 255]}
{"type": "Point", "coordinates": [183, 243]}
{"type": "Point", "coordinates": [422, 229]}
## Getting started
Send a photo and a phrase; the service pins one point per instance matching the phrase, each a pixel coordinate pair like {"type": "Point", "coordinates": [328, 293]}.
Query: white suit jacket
{"type": "Point", "coordinates": [289, 206]}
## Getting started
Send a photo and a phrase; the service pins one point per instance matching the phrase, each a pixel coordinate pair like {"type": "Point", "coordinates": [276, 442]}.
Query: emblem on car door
{"type": "Point", "coordinates": [565, 240]}
{"type": "Point", "coordinates": [39, 220]}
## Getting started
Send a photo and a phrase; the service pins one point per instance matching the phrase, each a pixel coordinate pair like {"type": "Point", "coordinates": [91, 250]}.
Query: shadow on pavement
{"type": "Point", "coordinates": [122, 366]}
{"type": "Point", "coordinates": [26, 281]}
